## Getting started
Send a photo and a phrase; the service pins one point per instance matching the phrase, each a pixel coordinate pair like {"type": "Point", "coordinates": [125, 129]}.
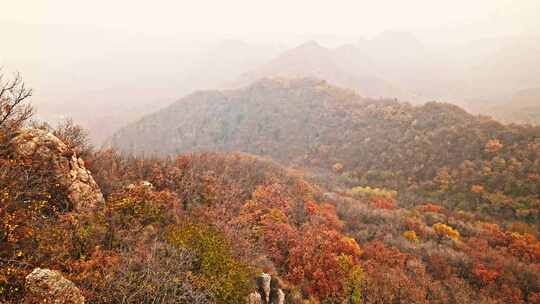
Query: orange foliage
{"type": "Point", "coordinates": [477, 189]}
{"type": "Point", "coordinates": [337, 168]}
{"type": "Point", "coordinates": [526, 247]}
{"type": "Point", "coordinates": [493, 146]}
{"type": "Point", "coordinates": [429, 207]}
{"type": "Point", "coordinates": [534, 298]}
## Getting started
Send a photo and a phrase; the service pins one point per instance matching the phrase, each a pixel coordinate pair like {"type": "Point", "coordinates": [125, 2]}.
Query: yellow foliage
{"type": "Point", "coordinates": [371, 192]}
{"type": "Point", "coordinates": [276, 215]}
{"type": "Point", "coordinates": [217, 269]}
{"type": "Point", "coordinates": [354, 279]}
{"type": "Point", "coordinates": [444, 230]}
{"type": "Point", "coordinates": [411, 236]}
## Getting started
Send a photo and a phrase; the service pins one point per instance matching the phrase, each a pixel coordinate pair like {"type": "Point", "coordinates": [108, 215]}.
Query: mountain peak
{"type": "Point", "coordinates": [311, 45]}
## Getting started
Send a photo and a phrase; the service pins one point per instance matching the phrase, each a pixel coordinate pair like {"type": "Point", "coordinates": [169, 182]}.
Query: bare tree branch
{"type": "Point", "coordinates": [14, 110]}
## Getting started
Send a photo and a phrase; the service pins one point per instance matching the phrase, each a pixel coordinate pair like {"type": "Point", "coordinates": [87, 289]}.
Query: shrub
{"type": "Point", "coordinates": [216, 269]}
{"type": "Point", "coordinates": [411, 236]}
{"type": "Point", "coordinates": [444, 230]}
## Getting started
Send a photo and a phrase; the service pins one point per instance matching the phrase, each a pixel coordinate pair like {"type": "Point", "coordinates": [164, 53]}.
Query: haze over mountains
{"type": "Point", "coordinates": [398, 65]}
{"type": "Point", "coordinates": [523, 107]}
{"type": "Point", "coordinates": [337, 66]}
{"type": "Point", "coordinates": [130, 74]}
{"type": "Point", "coordinates": [133, 74]}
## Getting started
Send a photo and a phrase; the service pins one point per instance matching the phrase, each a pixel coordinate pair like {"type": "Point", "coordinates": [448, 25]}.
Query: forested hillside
{"type": "Point", "coordinates": [437, 149]}
{"type": "Point", "coordinates": [367, 201]}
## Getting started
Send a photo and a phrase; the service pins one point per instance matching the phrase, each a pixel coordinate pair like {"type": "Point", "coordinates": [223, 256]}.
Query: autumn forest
{"type": "Point", "coordinates": [389, 170]}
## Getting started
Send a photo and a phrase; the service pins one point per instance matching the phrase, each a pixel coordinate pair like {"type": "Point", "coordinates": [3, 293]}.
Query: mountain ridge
{"type": "Point", "coordinates": [306, 121]}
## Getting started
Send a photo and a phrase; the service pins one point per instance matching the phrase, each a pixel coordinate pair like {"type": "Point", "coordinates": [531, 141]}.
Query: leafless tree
{"type": "Point", "coordinates": [14, 109]}
{"type": "Point", "coordinates": [72, 134]}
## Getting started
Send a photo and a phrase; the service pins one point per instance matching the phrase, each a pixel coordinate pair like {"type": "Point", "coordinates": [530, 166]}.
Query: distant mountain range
{"type": "Point", "coordinates": [343, 66]}
{"type": "Point", "coordinates": [135, 74]}
{"type": "Point", "coordinates": [397, 65]}
{"type": "Point", "coordinates": [522, 107]}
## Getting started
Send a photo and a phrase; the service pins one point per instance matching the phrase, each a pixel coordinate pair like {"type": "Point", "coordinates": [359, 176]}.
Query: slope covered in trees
{"type": "Point", "coordinates": [437, 149]}
{"type": "Point", "coordinates": [387, 203]}
{"type": "Point", "coordinates": [196, 228]}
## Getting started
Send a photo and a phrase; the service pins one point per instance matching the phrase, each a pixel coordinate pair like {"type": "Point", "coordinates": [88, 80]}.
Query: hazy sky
{"type": "Point", "coordinates": [296, 17]}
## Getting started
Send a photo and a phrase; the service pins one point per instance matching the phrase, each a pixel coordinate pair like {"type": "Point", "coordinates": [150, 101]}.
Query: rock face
{"type": "Point", "coordinates": [263, 283]}
{"type": "Point", "coordinates": [280, 297]}
{"type": "Point", "coordinates": [47, 286]}
{"type": "Point", "coordinates": [268, 291]}
{"type": "Point", "coordinates": [65, 167]}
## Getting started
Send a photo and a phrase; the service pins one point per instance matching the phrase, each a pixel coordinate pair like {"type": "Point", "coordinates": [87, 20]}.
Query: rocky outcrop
{"type": "Point", "coordinates": [263, 284]}
{"type": "Point", "coordinates": [268, 291]}
{"type": "Point", "coordinates": [62, 164]}
{"type": "Point", "coordinates": [48, 286]}
{"type": "Point", "coordinates": [254, 298]}
{"type": "Point", "coordinates": [142, 184]}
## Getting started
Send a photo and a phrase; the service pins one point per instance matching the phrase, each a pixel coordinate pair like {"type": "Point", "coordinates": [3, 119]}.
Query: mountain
{"type": "Point", "coordinates": [386, 203]}
{"type": "Point", "coordinates": [522, 107]}
{"type": "Point", "coordinates": [310, 123]}
{"type": "Point", "coordinates": [486, 69]}
{"type": "Point", "coordinates": [341, 66]}
{"type": "Point", "coordinates": [133, 74]}
{"type": "Point", "coordinates": [510, 65]}
{"type": "Point", "coordinates": [110, 107]}
{"type": "Point", "coordinates": [398, 65]}
{"type": "Point", "coordinates": [106, 78]}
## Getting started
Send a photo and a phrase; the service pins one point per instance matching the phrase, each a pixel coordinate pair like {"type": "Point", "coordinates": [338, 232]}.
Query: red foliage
{"type": "Point", "coordinates": [534, 298]}
{"type": "Point", "coordinates": [314, 263]}
{"type": "Point", "coordinates": [302, 238]}
{"type": "Point", "coordinates": [383, 203]}
{"type": "Point", "coordinates": [439, 267]}
{"type": "Point", "coordinates": [377, 252]}
{"type": "Point", "coordinates": [484, 274]}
